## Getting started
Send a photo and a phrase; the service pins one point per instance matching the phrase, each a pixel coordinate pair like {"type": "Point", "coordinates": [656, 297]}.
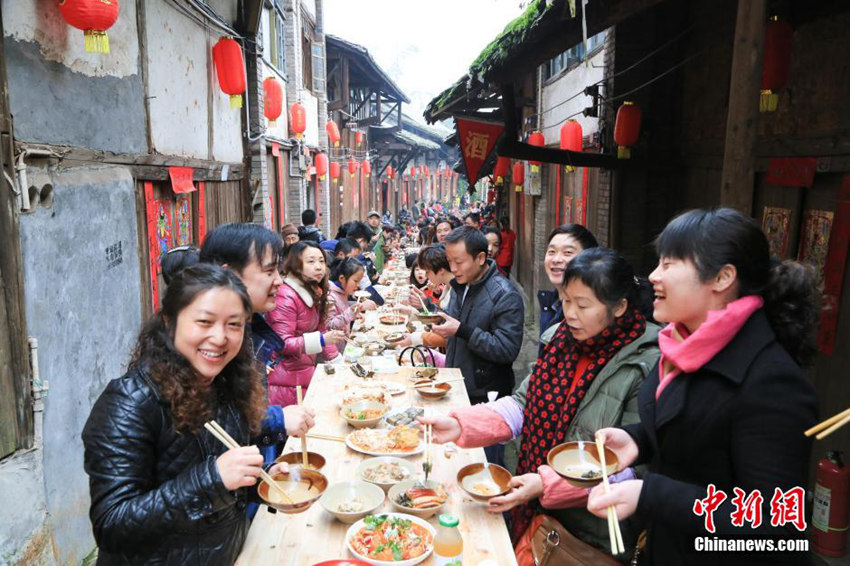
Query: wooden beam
{"type": "Point", "coordinates": [737, 180]}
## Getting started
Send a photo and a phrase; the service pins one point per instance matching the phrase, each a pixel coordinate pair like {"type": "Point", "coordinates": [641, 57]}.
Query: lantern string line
{"type": "Point", "coordinates": [219, 24]}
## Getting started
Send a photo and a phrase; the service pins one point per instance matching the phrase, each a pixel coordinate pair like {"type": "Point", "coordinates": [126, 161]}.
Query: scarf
{"type": "Point", "coordinates": [686, 353]}
{"type": "Point", "coordinates": [554, 396]}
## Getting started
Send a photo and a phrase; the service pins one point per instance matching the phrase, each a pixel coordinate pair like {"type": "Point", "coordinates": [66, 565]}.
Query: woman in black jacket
{"type": "Point", "coordinates": [163, 490]}
{"type": "Point", "coordinates": [727, 404]}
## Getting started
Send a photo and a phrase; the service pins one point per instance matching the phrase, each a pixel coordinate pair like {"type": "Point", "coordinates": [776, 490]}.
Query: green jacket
{"type": "Point", "coordinates": [378, 249]}
{"type": "Point", "coordinates": [611, 401]}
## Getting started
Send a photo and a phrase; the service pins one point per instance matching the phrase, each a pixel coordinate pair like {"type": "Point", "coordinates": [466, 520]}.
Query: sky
{"type": "Point", "coordinates": [423, 45]}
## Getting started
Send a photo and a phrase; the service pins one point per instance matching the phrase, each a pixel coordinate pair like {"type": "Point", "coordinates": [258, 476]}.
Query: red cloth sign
{"type": "Point", "coordinates": [202, 213]}
{"type": "Point", "coordinates": [477, 140]}
{"type": "Point", "coordinates": [153, 244]}
{"type": "Point", "coordinates": [181, 179]}
{"type": "Point", "coordinates": [792, 171]}
{"type": "Point", "coordinates": [836, 260]}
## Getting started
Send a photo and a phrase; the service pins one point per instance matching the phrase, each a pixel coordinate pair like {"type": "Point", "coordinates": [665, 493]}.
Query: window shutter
{"type": "Point", "coordinates": [318, 55]}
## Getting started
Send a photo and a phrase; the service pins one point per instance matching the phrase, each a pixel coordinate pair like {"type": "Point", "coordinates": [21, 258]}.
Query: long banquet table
{"type": "Point", "coordinates": [314, 536]}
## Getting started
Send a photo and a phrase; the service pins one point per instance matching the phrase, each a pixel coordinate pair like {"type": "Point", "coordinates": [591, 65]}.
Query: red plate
{"type": "Point", "coordinates": [343, 563]}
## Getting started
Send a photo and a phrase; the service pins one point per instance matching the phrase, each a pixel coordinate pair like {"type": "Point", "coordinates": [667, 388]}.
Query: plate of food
{"type": "Point", "coordinates": [386, 471]}
{"type": "Point", "coordinates": [420, 498]}
{"type": "Point", "coordinates": [397, 441]}
{"type": "Point", "coordinates": [392, 319]}
{"type": "Point", "coordinates": [392, 539]}
{"type": "Point", "coordinates": [356, 394]}
{"type": "Point", "coordinates": [362, 295]}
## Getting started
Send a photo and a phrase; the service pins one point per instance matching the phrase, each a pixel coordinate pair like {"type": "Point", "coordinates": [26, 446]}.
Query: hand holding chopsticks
{"type": "Point", "coordinates": [830, 425]}
{"type": "Point", "coordinates": [222, 436]}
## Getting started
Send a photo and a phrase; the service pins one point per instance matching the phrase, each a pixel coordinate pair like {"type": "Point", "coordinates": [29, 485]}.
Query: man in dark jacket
{"type": "Point", "coordinates": [483, 323]}
{"type": "Point", "coordinates": [309, 231]}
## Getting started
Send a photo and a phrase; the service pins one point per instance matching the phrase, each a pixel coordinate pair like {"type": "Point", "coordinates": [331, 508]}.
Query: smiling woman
{"type": "Point", "coordinates": [153, 468]}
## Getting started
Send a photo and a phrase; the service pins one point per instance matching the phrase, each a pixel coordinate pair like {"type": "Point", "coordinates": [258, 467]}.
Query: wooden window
{"type": "Point", "coordinates": [277, 36]}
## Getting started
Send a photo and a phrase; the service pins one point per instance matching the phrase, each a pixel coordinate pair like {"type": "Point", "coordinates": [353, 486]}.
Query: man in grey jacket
{"type": "Point", "coordinates": [483, 323]}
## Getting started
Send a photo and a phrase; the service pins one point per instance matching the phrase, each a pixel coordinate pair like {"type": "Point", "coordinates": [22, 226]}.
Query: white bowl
{"type": "Point", "coordinates": [371, 495]}
{"type": "Point", "coordinates": [371, 462]}
{"type": "Point", "coordinates": [412, 562]}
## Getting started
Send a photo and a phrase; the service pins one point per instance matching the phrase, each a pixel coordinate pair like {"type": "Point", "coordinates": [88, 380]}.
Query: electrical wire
{"type": "Point", "coordinates": [220, 24]}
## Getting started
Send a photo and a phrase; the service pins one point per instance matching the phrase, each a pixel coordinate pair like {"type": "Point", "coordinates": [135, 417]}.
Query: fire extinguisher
{"type": "Point", "coordinates": [832, 500]}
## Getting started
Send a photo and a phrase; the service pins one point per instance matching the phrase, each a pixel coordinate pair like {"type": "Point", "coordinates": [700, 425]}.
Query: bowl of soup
{"type": "Point", "coordinates": [578, 463]}
{"type": "Point", "coordinates": [432, 391]}
{"type": "Point", "coordinates": [301, 488]}
{"type": "Point", "coordinates": [481, 484]}
{"type": "Point", "coordinates": [315, 461]}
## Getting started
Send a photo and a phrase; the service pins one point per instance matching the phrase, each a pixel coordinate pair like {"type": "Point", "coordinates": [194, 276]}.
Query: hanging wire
{"type": "Point", "coordinates": [218, 24]}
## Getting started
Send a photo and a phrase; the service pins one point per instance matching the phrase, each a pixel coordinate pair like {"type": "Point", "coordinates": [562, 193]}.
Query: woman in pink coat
{"type": "Point", "coordinates": [346, 274]}
{"type": "Point", "coordinates": [299, 317]}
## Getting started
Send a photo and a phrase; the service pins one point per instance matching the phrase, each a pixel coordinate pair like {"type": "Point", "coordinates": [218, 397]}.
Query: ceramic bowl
{"type": "Point", "coordinates": [432, 392]}
{"type": "Point", "coordinates": [479, 488]}
{"type": "Point", "coordinates": [576, 461]}
{"type": "Point", "coordinates": [369, 494]}
{"type": "Point", "coordinates": [304, 487]}
{"type": "Point", "coordinates": [315, 461]}
{"type": "Point", "coordinates": [372, 462]}
{"type": "Point", "coordinates": [399, 488]}
{"type": "Point", "coordinates": [348, 410]}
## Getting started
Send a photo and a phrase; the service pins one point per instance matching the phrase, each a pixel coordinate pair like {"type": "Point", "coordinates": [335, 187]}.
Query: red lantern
{"type": "Point", "coordinates": [536, 139]}
{"type": "Point", "coordinates": [230, 68]}
{"type": "Point", "coordinates": [321, 164]}
{"type": "Point", "coordinates": [352, 166]}
{"type": "Point", "coordinates": [519, 176]}
{"type": "Point", "coordinates": [335, 171]}
{"type": "Point", "coordinates": [627, 128]}
{"type": "Point", "coordinates": [367, 168]}
{"type": "Point", "coordinates": [297, 119]}
{"type": "Point", "coordinates": [272, 100]}
{"type": "Point", "coordinates": [94, 17]}
{"type": "Point", "coordinates": [500, 171]}
{"type": "Point", "coordinates": [778, 38]}
{"type": "Point", "coordinates": [358, 138]}
{"type": "Point", "coordinates": [571, 139]}
{"type": "Point", "coordinates": [333, 133]}
{"type": "Point", "coordinates": [390, 172]}
{"type": "Point", "coordinates": [413, 171]}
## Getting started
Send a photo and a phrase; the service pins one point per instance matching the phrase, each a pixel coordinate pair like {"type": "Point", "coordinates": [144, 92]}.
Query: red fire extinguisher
{"type": "Point", "coordinates": [832, 501]}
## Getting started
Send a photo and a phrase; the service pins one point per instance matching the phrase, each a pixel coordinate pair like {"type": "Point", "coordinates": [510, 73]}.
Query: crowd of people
{"type": "Point", "coordinates": [690, 376]}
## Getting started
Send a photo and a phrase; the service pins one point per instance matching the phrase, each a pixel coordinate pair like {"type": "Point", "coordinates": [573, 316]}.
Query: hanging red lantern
{"type": "Point", "coordinates": [94, 17]}
{"type": "Point", "coordinates": [335, 171]}
{"type": "Point", "coordinates": [358, 138]}
{"type": "Point", "coordinates": [333, 133]}
{"type": "Point", "coordinates": [390, 172]}
{"type": "Point", "coordinates": [352, 166]}
{"type": "Point", "coordinates": [519, 176]}
{"type": "Point", "coordinates": [297, 119]}
{"type": "Point", "coordinates": [500, 171]}
{"type": "Point", "coordinates": [571, 139]}
{"type": "Point", "coordinates": [321, 164]}
{"type": "Point", "coordinates": [413, 171]}
{"type": "Point", "coordinates": [778, 39]}
{"type": "Point", "coordinates": [367, 168]}
{"type": "Point", "coordinates": [230, 68]}
{"type": "Point", "coordinates": [272, 100]}
{"type": "Point", "coordinates": [536, 139]}
{"type": "Point", "coordinates": [627, 128]}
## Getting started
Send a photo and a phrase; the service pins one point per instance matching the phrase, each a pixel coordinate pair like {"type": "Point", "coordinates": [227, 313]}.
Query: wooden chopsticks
{"type": "Point", "coordinates": [304, 460]}
{"type": "Point", "coordinates": [433, 383]}
{"type": "Point", "coordinates": [221, 435]}
{"type": "Point", "coordinates": [321, 436]}
{"type": "Point", "coordinates": [616, 537]}
{"type": "Point", "coordinates": [831, 424]}
{"type": "Point", "coordinates": [429, 439]}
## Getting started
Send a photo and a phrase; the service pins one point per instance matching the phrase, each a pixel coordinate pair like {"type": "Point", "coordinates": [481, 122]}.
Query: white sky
{"type": "Point", "coordinates": [424, 45]}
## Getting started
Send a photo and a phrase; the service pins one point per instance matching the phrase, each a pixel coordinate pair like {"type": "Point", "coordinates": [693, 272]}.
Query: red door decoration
{"type": "Point", "coordinates": [94, 17]}
{"type": "Point", "coordinates": [572, 139]}
{"type": "Point", "coordinates": [183, 208]}
{"type": "Point", "coordinates": [297, 119]}
{"type": "Point", "coordinates": [627, 128]}
{"type": "Point", "coordinates": [272, 100]}
{"type": "Point", "coordinates": [778, 39]}
{"type": "Point", "coordinates": [536, 139]}
{"type": "Point", "coordinates": [477, 139]}
{"type": "Point", "coordinates": [202, 212]}
{"type": "Point", "coordinates": [836, 262]}
{"type": "Point", "coordinates": [776, 225]}
{"type": "Point", "coordinates": [230, 69]}
{"type": "Point", "coordinates": [181, 179]}
{"type": "Point", "coordinates": [791, 171]}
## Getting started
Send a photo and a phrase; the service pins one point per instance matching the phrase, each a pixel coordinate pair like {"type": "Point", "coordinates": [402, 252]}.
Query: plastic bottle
{"type": "Point", "coordinates": [448, 544]}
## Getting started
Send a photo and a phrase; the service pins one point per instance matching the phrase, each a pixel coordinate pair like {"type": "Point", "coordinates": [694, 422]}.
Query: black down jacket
{"type": "Point", "coordinates": [156, 495]}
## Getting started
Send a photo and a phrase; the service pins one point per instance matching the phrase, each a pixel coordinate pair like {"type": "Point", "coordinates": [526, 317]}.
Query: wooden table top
{"type": "Point", "coordinates": [314, 535]}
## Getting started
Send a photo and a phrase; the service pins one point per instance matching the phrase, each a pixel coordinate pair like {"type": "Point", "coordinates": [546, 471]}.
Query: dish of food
{"type": "Point", "coordinates": [405, 417]}
{"type": "Point", "coordinates": [422, 497]}
{"type": "Point", "coordinates": [352, 505]}
{"type": "Point", "coordinates": [355, 394]}
{"type": "Point", "coordinates": [362, 295]}
{"type": "Point", "coordinates": [398, 441]}
{"type": "Point", "coordinates": [391, 539]}
{"type": "Point", "coordinates": [388, 472]}
{"type": "Point", "coordinates": [363, 414]}
{"type": "Point", "coordinates": [392, 319]}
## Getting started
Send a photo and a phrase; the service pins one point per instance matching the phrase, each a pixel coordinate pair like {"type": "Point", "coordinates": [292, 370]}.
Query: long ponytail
{"type": "Point", "coordinates": [791, 302]}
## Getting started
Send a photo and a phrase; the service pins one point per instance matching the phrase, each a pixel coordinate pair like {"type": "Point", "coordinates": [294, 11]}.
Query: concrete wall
{"type": "Point", "coordinates": [60, 94]}
{"type": "Point", "coordinates": [561, 87]}
{"type": "Point", "coordinates": [82, 297]}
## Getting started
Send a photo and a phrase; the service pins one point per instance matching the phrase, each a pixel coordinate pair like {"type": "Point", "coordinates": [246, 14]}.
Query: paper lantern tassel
{"type": "Point", "coordinates": [96, 41]}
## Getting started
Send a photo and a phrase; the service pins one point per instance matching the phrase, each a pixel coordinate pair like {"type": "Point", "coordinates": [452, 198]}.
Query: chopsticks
{"type": "Point", "coordinates": [221, 435]}
{"type": "Point", "coordinates": [429, 439]}
{"type": "Point", "coordinates": [831, 424]}
{"type": "Point", "coordinates": [433, 383]}
{"type": "Point", "coordinates": [321, 436]}
{"type": "Point", "coordinates": [614, 534]}
{"type": "Point", "coordinates": [303, 438]}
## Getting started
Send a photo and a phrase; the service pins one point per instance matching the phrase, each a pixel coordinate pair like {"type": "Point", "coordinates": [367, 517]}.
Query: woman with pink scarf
{"type": "Point", "coordinates": [727, 404]}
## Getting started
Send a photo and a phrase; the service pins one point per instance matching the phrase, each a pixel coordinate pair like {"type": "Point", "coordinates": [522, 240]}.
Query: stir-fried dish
{"type": "Point", "coordinates": [386, 473]}
{"type": "Point", "coordinates": [381, 441]}
{"type": "Point", "coordinates": [391, 539]}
